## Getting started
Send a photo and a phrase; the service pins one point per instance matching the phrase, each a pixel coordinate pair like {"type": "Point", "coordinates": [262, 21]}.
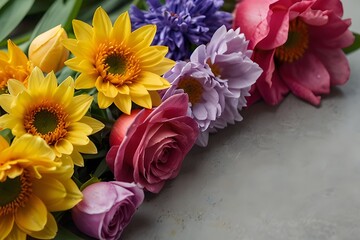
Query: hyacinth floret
{"type": "Point", "coordinates": [182, 23]}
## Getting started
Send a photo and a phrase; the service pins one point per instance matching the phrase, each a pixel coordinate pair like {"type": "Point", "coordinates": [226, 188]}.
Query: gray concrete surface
{"type": "Point", "coordinates": [285, 173]}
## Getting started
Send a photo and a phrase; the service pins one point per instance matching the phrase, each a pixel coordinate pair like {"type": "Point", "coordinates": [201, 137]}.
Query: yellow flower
{"type": "Point", "coordinates": [47, 52]}
{"type": "Point", "coordinates": [121, 64]}
{"type": "Point", "coordinates": [32, 184]}
{"type": "Point", "coordinates": [13, 64]}
{"type": "Point", "coordinates": [51, 112]}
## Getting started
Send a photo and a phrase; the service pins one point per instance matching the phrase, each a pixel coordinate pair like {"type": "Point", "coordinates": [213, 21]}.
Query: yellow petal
{"type": "Point", "coordinates": [142, 37]}
{"type": "Point", "coordinates": [16, 234]}
{"type": "Point", "coordinates": [33, 216]}
{"type": "Point", "coordinates": [65, 92]}
{"type": "Point", "coordinates": [150, 56]}
{"type": "Point", "coordinates": [82, 30]}
{"type": "Point", "coordinates": [35, 79]}
{"type": "Point", "coordinates": [6, 101]}
{"type": "Point", "coordinates": [89, 148]}
{"type": "Point", "coordinates": [49, 231]}
{"type": "Point", "coordinates": [33, 148]}
{"type": "Point", "coordinates": [84, 81]}
{"type": "Point", "coordinates": [77, 158]}
{"type": "Point", "coordinates": [79, 106]}
{"type": "Point", "coordinates": [123, 102]}
{"type": "Point", "coordinates": [102, 24]}
{"type": "Point", "coordinates": [153, 81]}
{"type": "Point", "coordinates": [80, 64]}
{"type": "Point", "coordinates": [96, 125]}
{"type": "Point", "coordinates": [15, 87]}
{"type": "Point", "coordinates": [16, 56]}
{"type": "Point", "coordinates": [104, 101]}
{"type": "Point", "coordinates": [122, 28]}
{"type": "Point", "coordinates": [73, 197]}
{"type": "Point", "coordinates": [110, 90]}
{"type": "Point", "coordinates": [161, 68]}
{"type": "Point", "coordinates": [77, 138]}
{"type": "Point", "coordinates": [143, 101]}
{"type": "Point", "coordinates": [64, 146]}
{"type": "Point", "coordinates": [55, 191]}
{"type": "Point", "coordinates": [6, 223]}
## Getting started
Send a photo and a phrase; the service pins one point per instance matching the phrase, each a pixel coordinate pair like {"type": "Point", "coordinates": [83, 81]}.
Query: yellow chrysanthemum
{"type": "Point", "coordinates": [51, 112]}
{"type": "Point", "coordinates": [13, 64]}
{"type": "Point", "coordinates": [121, 64]}
{"type": "Point", "coordinates": [32, 184]}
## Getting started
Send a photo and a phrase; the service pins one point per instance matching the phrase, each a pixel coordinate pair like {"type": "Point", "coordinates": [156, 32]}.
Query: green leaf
{"type": "Point", "coordinates": [60, 12]}
{"type": "Point", "coordinates": [11, 15]}
{"type": "Point", "coordinates": [6, 133]}
{"type": "Point", "coordinates": [101, 168]}
{"type": "Point", "coordinates": [355, 46]}
{"type": "Point", "coordinates": [3, 2]}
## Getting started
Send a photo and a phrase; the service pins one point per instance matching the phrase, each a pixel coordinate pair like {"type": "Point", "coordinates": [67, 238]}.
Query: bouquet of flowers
{"type": "Point", "coordinates": [101, 102]}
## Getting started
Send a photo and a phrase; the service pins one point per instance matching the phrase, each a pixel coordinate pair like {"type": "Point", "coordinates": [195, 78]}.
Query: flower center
{"type": "Point", "coordinates": [214, 68]}
{"type": "Point", "coordinates": [192, 87]}
{"type": "Point", "coordinates": [116, 64]}
{"type": "Point", "coordinates": [14, 192]}
{"type": "Point", "coordinates": [46, 120]}
{"type": "Point", "coordinates": [296, 44]}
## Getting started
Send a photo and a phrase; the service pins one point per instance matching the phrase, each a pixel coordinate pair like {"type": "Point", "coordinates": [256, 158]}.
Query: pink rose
{"type": "Point", "coordinates": [107, 208]}
{"type": "Point", "coordinates": [148, 146]}
{"type": "Point", "coordinates": [298, 44]}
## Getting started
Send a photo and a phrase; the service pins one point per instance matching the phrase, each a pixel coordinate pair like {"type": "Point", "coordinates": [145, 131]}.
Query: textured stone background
{"type": "Point", "coordinates": [285, 173]}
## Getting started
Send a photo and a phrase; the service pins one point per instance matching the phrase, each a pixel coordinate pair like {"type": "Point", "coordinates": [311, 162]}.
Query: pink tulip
{"type": "Point", "coordinates": [107, 208]}
{"type": "Point", "coordinates": [298, 44]}
{"type": "Point", "coordinates": [155, 142]}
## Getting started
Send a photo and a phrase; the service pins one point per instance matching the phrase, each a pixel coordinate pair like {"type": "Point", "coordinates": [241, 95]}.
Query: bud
{"type": "Point", "coordinates": [47, 52]}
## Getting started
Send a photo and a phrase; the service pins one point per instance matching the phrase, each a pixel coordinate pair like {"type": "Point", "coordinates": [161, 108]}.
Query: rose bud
{"type": "Point", "coordinates": [47, 52]}
{"type": "Point", "coordinates": [107, 208]}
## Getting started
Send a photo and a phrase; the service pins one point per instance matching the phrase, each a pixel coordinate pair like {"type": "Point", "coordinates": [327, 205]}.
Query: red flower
{"type": "Point", "coordinates": [298, 44]}
{"type": "Point", "coordinates": [148, 146]}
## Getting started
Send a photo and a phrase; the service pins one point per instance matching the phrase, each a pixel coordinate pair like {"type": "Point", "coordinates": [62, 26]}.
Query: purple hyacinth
{"type": "Point", "coordinates": [182, 23]}
{"type": "Point", "coordinates": [217, 79]}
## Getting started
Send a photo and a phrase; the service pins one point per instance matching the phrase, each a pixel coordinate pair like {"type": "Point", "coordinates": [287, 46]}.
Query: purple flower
{"type": "Point", "coordinates": [181, 23]}
{"type": "Point", "coordinates": [107, 208]}
{"type": "Point", "coordinates": [217, 79]}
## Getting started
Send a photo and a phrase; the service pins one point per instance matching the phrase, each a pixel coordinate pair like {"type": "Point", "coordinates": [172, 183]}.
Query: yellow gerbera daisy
{"type": "Point", "coordinates": [33, 184]}
{"type": "Point", "coordinates": [121, 64]}
{"type": "Point", "coordinates": [51, 112]}
{"type": "Point", "coordinates": [13, 64]}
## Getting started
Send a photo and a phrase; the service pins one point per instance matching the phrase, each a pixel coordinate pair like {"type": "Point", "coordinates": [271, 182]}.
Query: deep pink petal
{"type": "Point", "coordinates": [336, 63]}
{"type": "Point", "coordinates": [253, 23]}
{"type": "Point", "coordinates": [309, 72]}
{"type": "Point", "coordinates": [335, 27]}
{"type": "Point", "coordinates": [335, 6]}
{"type": "Point", "coordinates": [275, 94]}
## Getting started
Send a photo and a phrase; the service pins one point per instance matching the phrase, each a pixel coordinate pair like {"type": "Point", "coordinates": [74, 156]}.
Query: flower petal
{"type": "Point", "coordinates": [33, 216]}
{"type": "Point", "coordinates": [102, 24]}
{"type": "Point", "coordinates": [49, 231]}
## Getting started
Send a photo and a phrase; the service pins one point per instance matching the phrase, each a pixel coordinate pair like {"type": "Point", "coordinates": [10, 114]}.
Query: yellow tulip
{"type": "Point", "coordinates": [47, 52]}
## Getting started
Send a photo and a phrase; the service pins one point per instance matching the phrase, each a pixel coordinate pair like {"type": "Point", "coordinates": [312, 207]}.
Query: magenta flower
{"type": "Point", "coordinates": [149, 146]}
{"type": "Point", "coordinates": [107, 208]}
{"type": "Point", "coordinates": [298, 44]}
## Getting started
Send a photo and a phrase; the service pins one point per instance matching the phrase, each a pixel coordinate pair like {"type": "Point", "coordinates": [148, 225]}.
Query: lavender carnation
{"type": "Point", "coordinates": [217, 79]}
{"type": "Point", "coordinates": [181, 23]}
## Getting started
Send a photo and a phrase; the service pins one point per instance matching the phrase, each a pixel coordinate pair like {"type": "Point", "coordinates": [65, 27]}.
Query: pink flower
{"type": "Point", "coordinates": [298, 44]}
{"type": "Point", "coordinates": [148, 146]}
{"type": "Point", "coordinates": [107, 208]}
